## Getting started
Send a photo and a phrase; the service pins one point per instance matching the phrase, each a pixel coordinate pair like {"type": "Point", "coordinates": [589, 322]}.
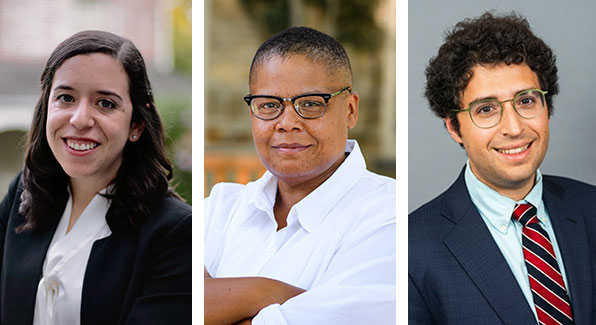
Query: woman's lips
{"type": "Point", "coordinates": [290, 147]}
{"type": "Point", "coordinates": [80, 146]}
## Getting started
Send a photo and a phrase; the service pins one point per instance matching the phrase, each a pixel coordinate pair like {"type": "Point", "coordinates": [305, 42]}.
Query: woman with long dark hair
{"type": "Point", "coordinates": [90, 232]}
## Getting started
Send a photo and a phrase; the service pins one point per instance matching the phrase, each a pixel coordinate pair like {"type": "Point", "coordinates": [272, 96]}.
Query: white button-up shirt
{"type": "Point", "coordinates": [339, 245]}
{"type": "Point", "coordinates": [59, 292]}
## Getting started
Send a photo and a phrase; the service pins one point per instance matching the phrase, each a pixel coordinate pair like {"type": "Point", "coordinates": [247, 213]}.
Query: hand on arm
{"type": "Point", "coordinates": [230, 300]}
{"type": "Point", "coordinates": [357, 287]}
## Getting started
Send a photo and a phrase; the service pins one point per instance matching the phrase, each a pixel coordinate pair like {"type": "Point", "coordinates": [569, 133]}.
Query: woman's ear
{"type": "Point", "coordinates": [135, 131]}
{"type": "Point", "coordinates": [353, 109]}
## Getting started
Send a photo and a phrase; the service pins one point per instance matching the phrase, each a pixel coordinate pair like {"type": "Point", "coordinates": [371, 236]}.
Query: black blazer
{"type": "Point", "coordinates": [134, 276]}
{"type": "Point", "coordinates": [457, 274]}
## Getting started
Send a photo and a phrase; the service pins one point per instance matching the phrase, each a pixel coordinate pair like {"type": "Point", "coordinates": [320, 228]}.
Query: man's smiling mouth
{"type": "Point", "coordinates": [514, 150]}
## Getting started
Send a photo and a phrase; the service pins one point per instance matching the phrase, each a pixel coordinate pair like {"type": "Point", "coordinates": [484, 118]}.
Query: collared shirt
{"type": "Point", "coordinates": [339, 245]}
{"type": "Point", "coordinates": [58, 299]}
{"type": "Point", "coordinates": [496, 211]}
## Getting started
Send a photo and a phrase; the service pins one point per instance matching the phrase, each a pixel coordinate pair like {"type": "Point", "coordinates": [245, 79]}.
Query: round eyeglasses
{"type": "Point", "coordinates": [308, 106]}
{"type": "Point", "coordinates": [486, 113]}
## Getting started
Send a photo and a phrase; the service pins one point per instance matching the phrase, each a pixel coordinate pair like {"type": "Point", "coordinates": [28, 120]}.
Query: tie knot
{"type": "Point", "coordinates": [525, 214]}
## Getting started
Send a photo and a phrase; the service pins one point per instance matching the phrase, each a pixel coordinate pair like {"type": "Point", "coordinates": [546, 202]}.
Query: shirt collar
{"type": "Point", "coordinates": [315, 206]}
{"type": "Point", "coordinates": [496, 208]}
{"type": "Point", "coordinates": [261, 197]}
{"type": "Point", "coordinates": [312, 209]}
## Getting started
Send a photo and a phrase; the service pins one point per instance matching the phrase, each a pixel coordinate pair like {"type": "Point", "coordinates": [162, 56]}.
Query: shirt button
{"type": "Point", "coordinates": [54, 289]}
{"type": "Point", "coordinates": [502, 227]}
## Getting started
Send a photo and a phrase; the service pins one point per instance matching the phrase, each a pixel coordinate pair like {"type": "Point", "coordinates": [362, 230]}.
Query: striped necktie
{"type": "Point", "coordinates": [548, 288]}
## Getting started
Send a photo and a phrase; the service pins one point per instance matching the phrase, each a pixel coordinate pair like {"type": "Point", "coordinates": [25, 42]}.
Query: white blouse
{"type": "Point", "coordinates": [59, 292]}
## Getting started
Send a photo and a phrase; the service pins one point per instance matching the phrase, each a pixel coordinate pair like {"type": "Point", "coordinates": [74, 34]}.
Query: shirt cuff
{"type": "Point", "coordinates": [270, 315]}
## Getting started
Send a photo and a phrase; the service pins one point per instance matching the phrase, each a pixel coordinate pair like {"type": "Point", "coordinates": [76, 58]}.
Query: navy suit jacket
{"type": "Point", "coordinates": [457, 274]}
{"type": "Point", "coordinates": [134, 276]}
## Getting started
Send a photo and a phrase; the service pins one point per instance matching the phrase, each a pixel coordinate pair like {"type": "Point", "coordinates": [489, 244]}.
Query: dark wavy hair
{"type": "Point", "coordinates": [486, 40]}
{"type": "Point", "coordinates": [145, 170]}
{"type": "Point", "coordinates": [315, 45]}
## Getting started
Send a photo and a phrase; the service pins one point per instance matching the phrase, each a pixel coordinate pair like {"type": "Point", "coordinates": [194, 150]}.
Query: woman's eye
{"type": "Point", "coordinates": [312, 104]}
{"type": "Point", "coordinates": [65, 98]}
{"type": "Point", "coordinates": [269, 105]}
{"type": "Point", "coordinates": [104, 103]}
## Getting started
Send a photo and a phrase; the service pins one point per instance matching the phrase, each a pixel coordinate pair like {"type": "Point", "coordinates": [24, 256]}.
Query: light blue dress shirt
{"type": "Point", "coordinates": [496, 211]}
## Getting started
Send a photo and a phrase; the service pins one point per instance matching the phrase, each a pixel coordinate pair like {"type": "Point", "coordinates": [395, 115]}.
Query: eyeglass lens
{"type": "Point", "coordinates": [527, 104]}
{"type": "Point", "coordinates": [270, 108]}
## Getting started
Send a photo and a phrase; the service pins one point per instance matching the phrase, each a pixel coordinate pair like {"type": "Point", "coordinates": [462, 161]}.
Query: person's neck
{"type": "Point", "coordinates": [289, 193]}
{"type": "Point", "coordinates": [517, 191]}
{"type": "Point", "coordinates": [516, 194]}
{"type": "Point", "coordinates": [82, 191]}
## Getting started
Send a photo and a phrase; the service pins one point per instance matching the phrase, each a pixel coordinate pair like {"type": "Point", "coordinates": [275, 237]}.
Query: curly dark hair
{"type": "Point", "coordinates": [145, 170]}
{"type": "Point", "coordinates": [315, 45]}
{"type": "Point", "coordinates": [486, 40]}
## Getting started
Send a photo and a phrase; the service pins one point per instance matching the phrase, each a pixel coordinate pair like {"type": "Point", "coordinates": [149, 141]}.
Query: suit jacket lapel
{"type": "Point", "coordinates": [568, 222]}
{"type": "Point", "coordinates": [24, 255]}
{"type": "Point", "coordinates": [472, 245]}
{"type": "Point", "coordinates": [108, 274]}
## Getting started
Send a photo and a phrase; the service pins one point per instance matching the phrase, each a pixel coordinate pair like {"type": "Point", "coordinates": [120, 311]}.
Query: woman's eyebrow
{"type": "Point", "coordinates": [109, 93]}
{"type": "Point", "coordinates": [65, 87]}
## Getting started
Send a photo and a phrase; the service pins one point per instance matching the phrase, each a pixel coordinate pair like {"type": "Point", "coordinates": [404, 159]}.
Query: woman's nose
{"type": "Point", "coordinates": [82, 116]}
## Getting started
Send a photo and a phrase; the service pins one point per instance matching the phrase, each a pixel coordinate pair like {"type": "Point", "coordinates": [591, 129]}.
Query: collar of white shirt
{"type": "Point", "coordinates": [315, 206]}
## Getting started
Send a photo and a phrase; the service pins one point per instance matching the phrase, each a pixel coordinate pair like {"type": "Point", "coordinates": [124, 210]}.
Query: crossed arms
{"type": "Point", "coordinates": [232, 300]}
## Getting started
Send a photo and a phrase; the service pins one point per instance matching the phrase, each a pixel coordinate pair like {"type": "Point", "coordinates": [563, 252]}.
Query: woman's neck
{"type": "Point", "coordinates": [82, 191]}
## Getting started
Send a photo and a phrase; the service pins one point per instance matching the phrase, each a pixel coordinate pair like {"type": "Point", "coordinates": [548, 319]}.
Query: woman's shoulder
{"type": "Point", "coordinates": [16, 185]}
{"type": "Point", "coordinates": [173, 207]}
{"type": "Point", "coordinates": [13, 195]}
{"type": "Point", "coordinates": [171, 215]}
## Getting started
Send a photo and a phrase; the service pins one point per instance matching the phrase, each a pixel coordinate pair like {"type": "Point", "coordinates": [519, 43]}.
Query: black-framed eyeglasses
{"type": "Point", "coordinates": [486, 113]}
{"type": "Point", "coordinates": [308, 106]}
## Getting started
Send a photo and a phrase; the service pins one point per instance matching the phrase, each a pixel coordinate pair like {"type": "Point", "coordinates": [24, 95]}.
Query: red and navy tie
{"type": "Point", "coordinates": [548, 288]}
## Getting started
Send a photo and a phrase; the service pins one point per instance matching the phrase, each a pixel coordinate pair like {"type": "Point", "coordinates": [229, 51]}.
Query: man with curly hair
{"type": "Point", "coordinates": [504, 244]}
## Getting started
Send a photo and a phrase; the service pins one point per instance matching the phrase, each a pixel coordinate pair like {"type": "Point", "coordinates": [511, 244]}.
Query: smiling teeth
{"type": "Point", "coordinates": [514, 151]}
{"type": "Point", "coordinates": [80, 147]}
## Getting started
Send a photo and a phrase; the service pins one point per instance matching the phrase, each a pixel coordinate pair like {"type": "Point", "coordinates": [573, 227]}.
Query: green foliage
{"type": "Point", "coordinates": [357, 26]}
{"type": "Point", "coordinates": [355, 20]}
{"type": "Point", "coordinates": [176, 118]}
{"type": "Point", "coordinates": [182, 36]}
{"type": "Point", "coordinates": [272, 15]}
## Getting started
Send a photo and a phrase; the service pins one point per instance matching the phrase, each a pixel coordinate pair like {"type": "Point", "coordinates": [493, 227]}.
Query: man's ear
{"type": "Point", "coordinates": [455, 135]}
{"type": "Point", "coordinates": [136, 129]}
{"type": "Point", "coordinates": [353, 109]}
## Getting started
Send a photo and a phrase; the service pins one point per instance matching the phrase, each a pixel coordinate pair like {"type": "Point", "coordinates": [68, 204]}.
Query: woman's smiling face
{"type": "Point", "coordinates": [89, 116]}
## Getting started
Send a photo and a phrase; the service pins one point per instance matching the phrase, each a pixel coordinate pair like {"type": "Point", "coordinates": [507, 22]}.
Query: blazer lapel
{"type": "Point", "coordinates": [108, 274]}
{"type": "Point", "coordinates": [568, 222]}
{"type": "Point", "coordinates": [472, 245]}
{"type": "Point", "coordinates": [24, 255]}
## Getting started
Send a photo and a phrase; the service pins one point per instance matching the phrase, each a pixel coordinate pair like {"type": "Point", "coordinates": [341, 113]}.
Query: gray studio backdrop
{"type": "Point", "coordinates": [568, 28]}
